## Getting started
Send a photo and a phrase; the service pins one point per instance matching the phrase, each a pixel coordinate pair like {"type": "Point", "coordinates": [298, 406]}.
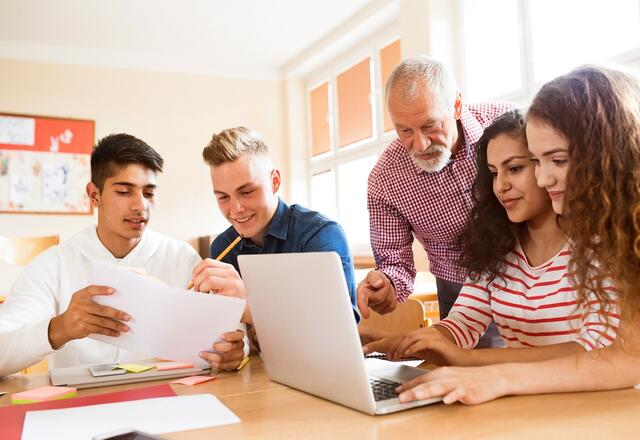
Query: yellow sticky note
{"type": "Point", "coordinates": [134, 368]}
{"type": "Point", "coordinates": [43, 394]}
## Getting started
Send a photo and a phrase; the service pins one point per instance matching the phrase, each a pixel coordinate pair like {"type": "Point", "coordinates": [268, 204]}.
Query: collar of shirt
{"type": "Point", "coordinates": [279, 226]}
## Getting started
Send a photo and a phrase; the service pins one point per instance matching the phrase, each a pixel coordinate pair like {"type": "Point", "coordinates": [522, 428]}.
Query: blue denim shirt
{"type": "Point", "coordinates": [294, 229]}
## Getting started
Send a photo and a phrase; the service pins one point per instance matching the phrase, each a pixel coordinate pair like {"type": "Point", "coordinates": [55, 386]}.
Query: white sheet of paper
{"type": "Point", "coordinates": [154, 416]}
{"type": "Point", "coordinates": [166, 322]}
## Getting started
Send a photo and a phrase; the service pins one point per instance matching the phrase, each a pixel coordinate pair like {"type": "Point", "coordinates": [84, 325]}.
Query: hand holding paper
{"type": "Point", "coordinates": [85, 316]}
{"type": "Point", "coordinates": [166, 322]}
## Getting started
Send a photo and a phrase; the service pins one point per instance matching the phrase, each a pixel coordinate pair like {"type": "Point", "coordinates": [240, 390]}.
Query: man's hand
{"type": "Point", "coordinates": [378, 340]}
{"type": "Point", "coordinates": [84, 317]}
{"type": "Point", "coordinates": [432, 346]}
{"type": "Point", "coordinates": [227, 354]}
{"type": "Point", "coordinates": [377, 292]}
{"type": "Point", "coordinates": [221, 278]}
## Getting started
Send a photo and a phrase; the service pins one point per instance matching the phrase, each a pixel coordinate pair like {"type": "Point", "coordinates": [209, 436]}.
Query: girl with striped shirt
{"type": "Point", "coordinates": [517, 257]}
{"type": "Point", "coordinates": [583, 130]}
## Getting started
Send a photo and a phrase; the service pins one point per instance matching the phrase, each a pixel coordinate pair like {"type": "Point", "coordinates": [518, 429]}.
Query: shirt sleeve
{"type": "Point", "coordinates": [391, 241]}
{"type": "Point", "coordinates": [331, 237]}
{"type": "Point", "coordinates": [25, 315]}
{"type": "Point", "coordinates": [470, 316]}
{"type": "Point", "coordinates": [600, 321]}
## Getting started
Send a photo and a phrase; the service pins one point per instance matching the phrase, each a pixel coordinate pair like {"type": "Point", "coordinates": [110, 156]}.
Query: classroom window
{"type": "Point", "coordinates": [355, 115]}
{"type": "Point", "coordinates": [390, 57]}
{"type": "Point", "coordinates": [352, 202]}
{"type": "Point", "coordinates": [323, 193]}
{"type": "Point", "coordinates": [348, 130]}
{"type": "Point", "coordinates": [510, 48]}
{"type": "Point", "coordinates": [319, 103]}
{"type": "Point", "coordinates": [599, 30]}
{"type": "Point", "coordinates": [497, 71]}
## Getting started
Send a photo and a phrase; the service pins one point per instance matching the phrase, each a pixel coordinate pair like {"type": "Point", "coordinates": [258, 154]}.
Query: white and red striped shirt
{"type": "Point", "coordinates": [531, 306]}
{"type": "Point", "coordinates": [404, 200]}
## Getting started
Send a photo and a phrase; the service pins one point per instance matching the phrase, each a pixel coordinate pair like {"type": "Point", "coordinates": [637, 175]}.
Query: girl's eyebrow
{"type": "Point", "coordinates": [555, 150]}
{"type": "Point", "coordinates": [509, 159]}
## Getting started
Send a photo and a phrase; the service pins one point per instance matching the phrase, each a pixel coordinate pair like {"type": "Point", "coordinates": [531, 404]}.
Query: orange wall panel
{"type": "Point", "coordinates": [319, 121]}
{"type": "Point", "coordinates": [390, 57]}
{"type": "Point", "coordinates": [354, 109]}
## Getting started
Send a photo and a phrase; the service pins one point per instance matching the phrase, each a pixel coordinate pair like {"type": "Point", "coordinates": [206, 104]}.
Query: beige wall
{"type": "Point", "coordinates": [174, 113]}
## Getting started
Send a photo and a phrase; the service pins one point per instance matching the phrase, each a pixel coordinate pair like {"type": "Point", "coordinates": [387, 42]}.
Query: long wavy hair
{"type": "Point", "coordinates": [489, 234]}
{"type": "Point", "coordinates": [598, 111]}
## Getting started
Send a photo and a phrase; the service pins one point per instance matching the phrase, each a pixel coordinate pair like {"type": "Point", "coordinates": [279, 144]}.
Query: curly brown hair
{"type": "Point", "coordinates": [598, 111]}
{"type": "Point", "coordinates": [489, 234]}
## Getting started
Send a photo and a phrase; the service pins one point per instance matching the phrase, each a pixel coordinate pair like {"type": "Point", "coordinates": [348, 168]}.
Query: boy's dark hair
{"type": "Point", "coordinates": [118, 150]}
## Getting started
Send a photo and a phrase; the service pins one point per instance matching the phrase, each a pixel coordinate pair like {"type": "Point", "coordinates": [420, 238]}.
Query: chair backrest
{"type": "Point", "coordinates": [408, 316]}
{"type": "Point", "coordinates": [21, 250]}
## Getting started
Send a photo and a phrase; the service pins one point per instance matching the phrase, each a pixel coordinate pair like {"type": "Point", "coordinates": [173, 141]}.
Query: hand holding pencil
{"type": "Point", "coordinates": [214, 276]}
{"type": "Point", "coordinates": [222, 254]}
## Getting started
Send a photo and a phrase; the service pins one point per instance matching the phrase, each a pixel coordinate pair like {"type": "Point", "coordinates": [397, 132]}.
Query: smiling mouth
{"type": "Point", "coordinates": [508, 203]}
{"type": "Point", "coordinates": [242, 220]}
{"type": "Point", "coordinates": [556, 195]}
{"type": "Point", "coordinates": [136, 221]}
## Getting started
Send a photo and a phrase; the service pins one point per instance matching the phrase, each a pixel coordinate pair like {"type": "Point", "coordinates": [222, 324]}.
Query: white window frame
{"type": "Point", "coordinates": [529, 85]}
{"type": "Point", "coordinates": [374, 145]}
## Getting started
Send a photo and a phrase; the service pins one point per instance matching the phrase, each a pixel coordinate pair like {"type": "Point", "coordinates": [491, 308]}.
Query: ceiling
{"type": "Point", "coordinates": [242, 38]}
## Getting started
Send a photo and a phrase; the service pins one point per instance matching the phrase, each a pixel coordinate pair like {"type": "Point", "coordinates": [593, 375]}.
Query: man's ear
{"type": "Point", "coordinates": [458, 106]}
{"type": "Point", "coordinates": [94, 194]}
{"type": "Point", "coordinates": [275, 180]}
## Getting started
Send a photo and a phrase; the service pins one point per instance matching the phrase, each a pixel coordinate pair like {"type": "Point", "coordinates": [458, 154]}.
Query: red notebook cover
{"type": "Point", "coordinates": [12, 417]}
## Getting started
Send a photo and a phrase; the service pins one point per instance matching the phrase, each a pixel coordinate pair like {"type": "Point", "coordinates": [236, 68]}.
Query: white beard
{"type": "Point", "coordinates": [437, 163]}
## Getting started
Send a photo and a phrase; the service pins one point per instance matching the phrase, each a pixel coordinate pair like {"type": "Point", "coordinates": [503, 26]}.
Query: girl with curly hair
{"type": "Point", "coordinates": [583, 130]}
{"type": "Point", "coordinates": [516, 255]}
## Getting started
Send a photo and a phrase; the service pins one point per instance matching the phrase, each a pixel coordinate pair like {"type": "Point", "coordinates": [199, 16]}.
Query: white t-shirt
{"type": "Point", "coordinates": [45, 287]}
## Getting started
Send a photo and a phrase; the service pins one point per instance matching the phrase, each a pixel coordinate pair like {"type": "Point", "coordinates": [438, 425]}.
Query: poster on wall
{"type": "Point", "coordinates": [45, 164]}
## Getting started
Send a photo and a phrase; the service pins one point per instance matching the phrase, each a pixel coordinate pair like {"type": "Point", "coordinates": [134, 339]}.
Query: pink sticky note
{"type": "Point", "coordinates": [194, 380]}
{"type": "Point", "coordinates": [161, 366]}
{"type": "Point", "coordinates": [43, 394]}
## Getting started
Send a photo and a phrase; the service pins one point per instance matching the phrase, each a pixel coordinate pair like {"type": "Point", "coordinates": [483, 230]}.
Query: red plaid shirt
{"type": "Point", "coordinates": [406, 201]}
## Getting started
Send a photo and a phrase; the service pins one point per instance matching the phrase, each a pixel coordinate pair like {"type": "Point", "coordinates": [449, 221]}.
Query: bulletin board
{"type": "Point", "coordinates": [45, 164]}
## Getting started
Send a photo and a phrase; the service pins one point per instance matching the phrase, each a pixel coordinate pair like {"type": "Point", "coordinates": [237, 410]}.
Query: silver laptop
{"type": "Point", "coordinates": [308, 335]}
{"type": "Point", "coordinates": [81, 376]}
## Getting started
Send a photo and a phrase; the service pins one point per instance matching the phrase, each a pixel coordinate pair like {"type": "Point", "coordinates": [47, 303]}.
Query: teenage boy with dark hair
{"type": "Point", "coordinates": [50, 311]}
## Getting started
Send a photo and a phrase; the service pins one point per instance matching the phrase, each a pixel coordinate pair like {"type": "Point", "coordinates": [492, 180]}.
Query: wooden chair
{"type": "Point", "coordinates": [408, 316]}
{"type": "Point", "coordinates": [20, 251]}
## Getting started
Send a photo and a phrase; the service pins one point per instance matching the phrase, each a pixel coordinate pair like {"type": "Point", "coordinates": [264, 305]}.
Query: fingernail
{"type": "Point", "coordinates": [202, 355]}
{"type": "Point", "coordinates": [124, 328]}
{"type": "Point", "coordinates": [127, 317]}
{"type": "Point", "coordinates": [110, 290]}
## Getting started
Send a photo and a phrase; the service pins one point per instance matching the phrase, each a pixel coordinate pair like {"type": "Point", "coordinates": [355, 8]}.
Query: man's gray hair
{"type": "Point", "coordinates": [415, 74]}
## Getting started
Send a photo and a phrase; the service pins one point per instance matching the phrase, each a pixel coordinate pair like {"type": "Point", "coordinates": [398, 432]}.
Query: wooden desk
{"type": "Point", "coordinates": [270, 410]}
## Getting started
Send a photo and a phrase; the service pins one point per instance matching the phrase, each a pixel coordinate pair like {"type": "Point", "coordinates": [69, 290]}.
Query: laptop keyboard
{"type": "Point", "coordinates": [383, 389]}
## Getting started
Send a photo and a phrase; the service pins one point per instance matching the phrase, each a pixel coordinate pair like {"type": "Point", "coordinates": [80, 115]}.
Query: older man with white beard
{"type": "Point", "coordinates": [421, 185]}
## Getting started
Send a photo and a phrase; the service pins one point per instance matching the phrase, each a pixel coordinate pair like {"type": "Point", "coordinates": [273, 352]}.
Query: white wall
{"type": "Point", "coordinates": [174, 113]}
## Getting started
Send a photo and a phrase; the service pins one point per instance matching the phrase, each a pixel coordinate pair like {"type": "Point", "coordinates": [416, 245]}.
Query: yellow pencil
{"type": "Point", "coordinates": [221, 256]}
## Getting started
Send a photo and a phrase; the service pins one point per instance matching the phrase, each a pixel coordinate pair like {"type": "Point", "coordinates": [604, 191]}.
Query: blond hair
{"type": "Point", "coordinates": [230, 144]}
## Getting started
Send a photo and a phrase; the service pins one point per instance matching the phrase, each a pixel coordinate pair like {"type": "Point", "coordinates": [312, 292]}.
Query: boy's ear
{"type": "Point", "coordinates": [94, 194]}
{"type": "Point", "coordinates": [275, 180]}
{"type": "Point", "coordinates": [458, 106]}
